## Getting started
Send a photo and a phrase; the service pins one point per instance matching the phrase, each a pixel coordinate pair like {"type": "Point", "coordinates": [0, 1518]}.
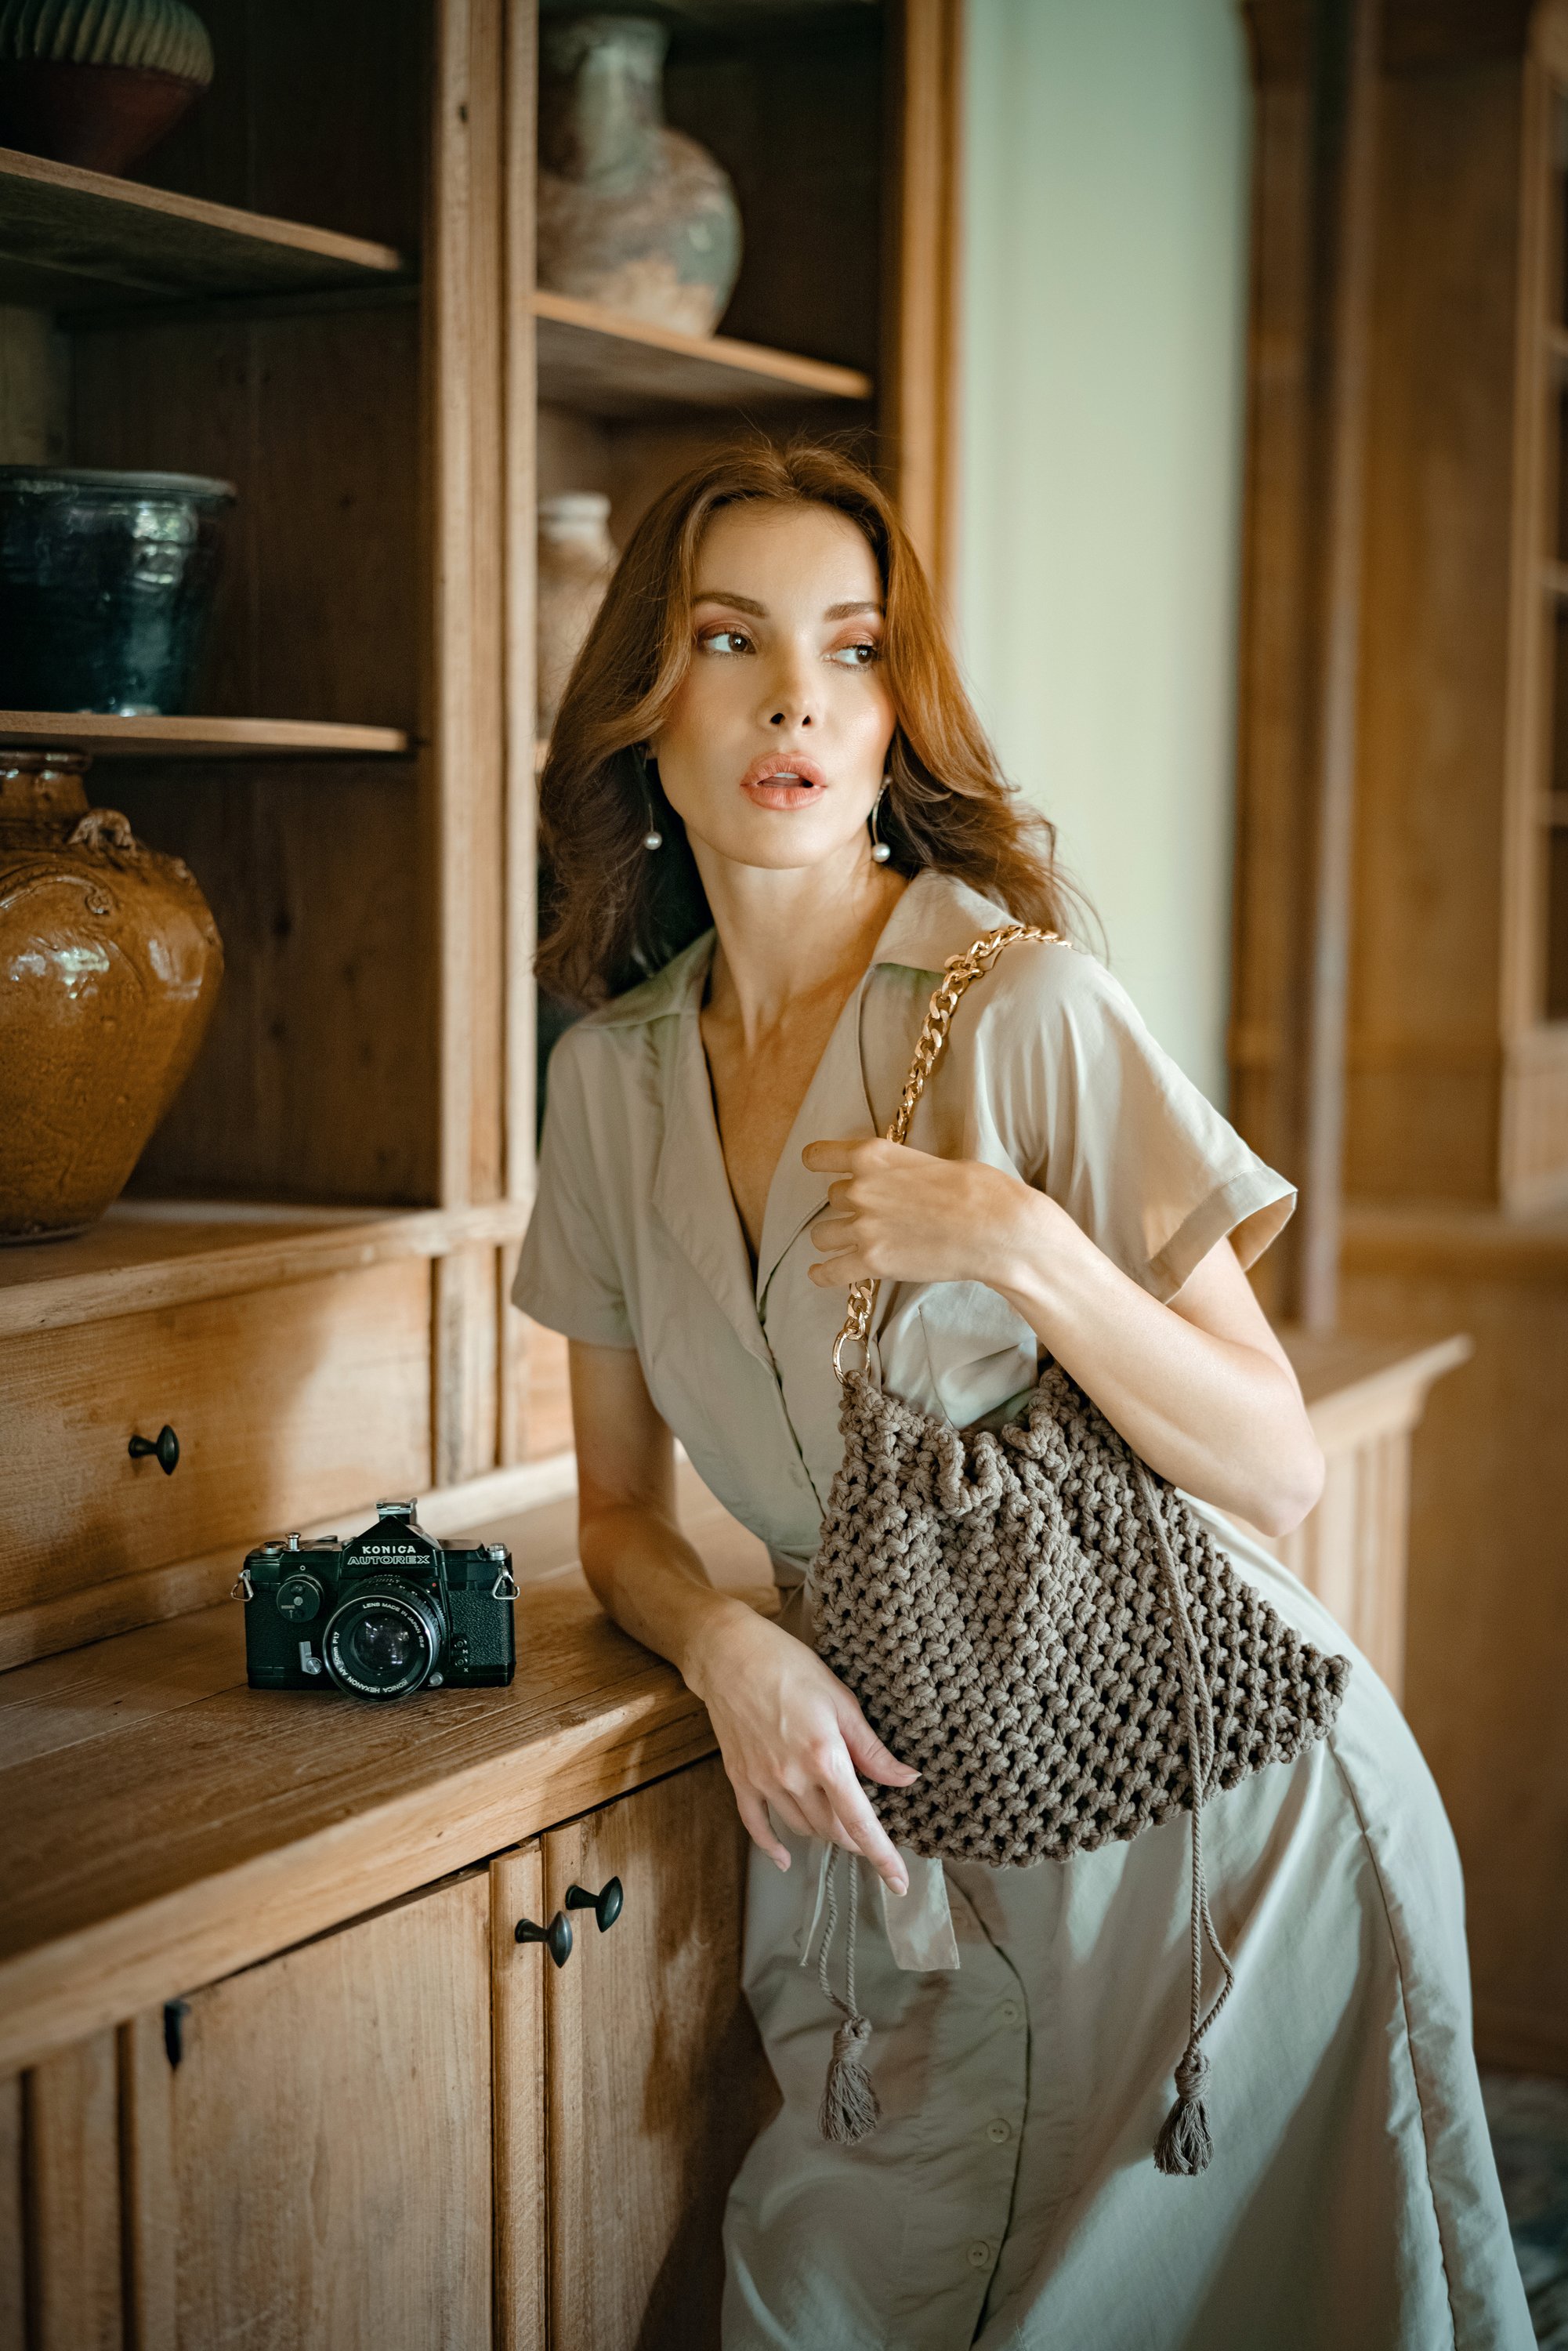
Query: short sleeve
{"type": "Point", "coordinates": [1110, 1126]}
{"type": "Point", "coordinates": [567, 1278]}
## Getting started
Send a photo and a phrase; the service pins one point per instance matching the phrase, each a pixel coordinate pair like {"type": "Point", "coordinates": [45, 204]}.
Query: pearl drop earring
{"type": "Point", "coordinates": [652, 838]}
{"type": "Point", "coordinates": [879, 851]}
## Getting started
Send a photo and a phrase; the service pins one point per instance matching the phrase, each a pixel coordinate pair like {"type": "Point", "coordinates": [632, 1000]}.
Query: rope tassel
{"type": "Point", "coordinates": [851, 2109]}
{"type": "Point", "coordinates": [1184, 2147]}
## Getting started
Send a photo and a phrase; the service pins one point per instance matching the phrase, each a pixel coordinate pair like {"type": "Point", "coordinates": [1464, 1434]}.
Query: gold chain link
{"type": "Point", "coordinates": [957, 973]}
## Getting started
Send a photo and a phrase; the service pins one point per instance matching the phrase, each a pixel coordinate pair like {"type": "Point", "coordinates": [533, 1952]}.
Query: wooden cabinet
{"type": "Point", "coordinates": [331, 302]}
{"type": "Point", "coordinates": [653, 2065]}
{"type": "Point", "coordinates": [287, 1404]}
{"type": "Point", "coordinates": [315, 2170]}
{"type": "Point", "coordinates": [416, 2133]}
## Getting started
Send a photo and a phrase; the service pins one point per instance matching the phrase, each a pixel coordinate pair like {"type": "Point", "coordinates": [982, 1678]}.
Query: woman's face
{"type": "Point", "coordinates": [774, 747]}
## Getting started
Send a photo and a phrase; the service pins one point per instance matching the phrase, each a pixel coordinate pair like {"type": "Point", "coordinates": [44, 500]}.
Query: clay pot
{"type": "Point", "coordinates": [98, 82]}
{"type": "Point", "coordinates": [109, 965]}
{"type": "Point", "coordinates": [576, 558]}
{"type": "Point", "coordinates": [106, 586]}
{"type": "Point", "coordinates": [631, 213]}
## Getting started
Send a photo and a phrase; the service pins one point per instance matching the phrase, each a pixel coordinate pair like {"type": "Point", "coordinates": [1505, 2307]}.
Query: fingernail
{"type": "Point", "coordinates": [782, 1861]}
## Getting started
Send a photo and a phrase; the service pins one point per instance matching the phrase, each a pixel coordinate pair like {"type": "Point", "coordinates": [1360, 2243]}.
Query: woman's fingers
{"type": "Point", "coordinates": [864, 1834]}
{"type": "Point", "coordinates": [791, 1814]}
{"type": "Point", "coordinates": [869, 1756]}
{"type": "Point", "coordinates": [758, 1827]}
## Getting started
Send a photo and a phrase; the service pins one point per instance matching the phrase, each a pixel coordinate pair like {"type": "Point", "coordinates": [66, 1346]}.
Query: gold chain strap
{"type": "Point", "coordinates": [957, 973]}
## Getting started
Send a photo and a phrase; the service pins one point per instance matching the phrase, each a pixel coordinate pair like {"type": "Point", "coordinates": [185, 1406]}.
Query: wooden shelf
{"type": "Point", "coordinates": [148, 1254]}
{"type": "Point", "coordinates": [108, 738]}
{"type": "Point", "coordinates": [592, 358]}
{"type": "Point", "coordinates": [1554, 580]}
{"type": "Point", "coordinates": [72, 239]}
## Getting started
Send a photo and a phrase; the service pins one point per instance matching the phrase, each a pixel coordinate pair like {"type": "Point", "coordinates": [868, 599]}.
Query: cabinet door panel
{"type": "Point", "coordinates": [518, 2025]}
{"type": "Point", "coordinates": [657, 2083]}
{"type": "Point", "coordinates": [328, 2141]}
{"type": "Point", "coordinates": [70, 2122]}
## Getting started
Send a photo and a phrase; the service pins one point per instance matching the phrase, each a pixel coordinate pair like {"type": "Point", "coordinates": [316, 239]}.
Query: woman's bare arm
{"type": "Point", "coordinates": [1201, 1387]}
{"type": "Point", "coordinates": [791, 1736]}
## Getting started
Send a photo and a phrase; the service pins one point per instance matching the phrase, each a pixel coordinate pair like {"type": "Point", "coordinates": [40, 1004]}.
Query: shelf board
{"type": "Point", "coordinates": [593, 359]}
{"type": "Point", "coordinates": [147, 1255]}
{"type": "Point", "coordinates": [72, 239]}
{"type": "Point", "coordinates": [1554, 580]}
{"type": "Point", "coordinates": [108, 738]}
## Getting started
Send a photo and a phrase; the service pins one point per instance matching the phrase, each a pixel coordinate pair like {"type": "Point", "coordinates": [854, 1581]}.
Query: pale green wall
{"type": "Point", "coordinates": [1106, 235]}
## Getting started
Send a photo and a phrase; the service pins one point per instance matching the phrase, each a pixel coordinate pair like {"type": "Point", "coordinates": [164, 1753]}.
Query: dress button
{"type": "Point", "coordinates": [1011, 2012]}
{"type": "Point", "coordinates": [999, 2131]}
{"type": "Point", "coordinates": [980, 2257]}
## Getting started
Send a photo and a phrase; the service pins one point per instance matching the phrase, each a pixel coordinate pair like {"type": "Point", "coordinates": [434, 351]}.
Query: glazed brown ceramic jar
{"type": "Point", "coordinates": [109, 965]}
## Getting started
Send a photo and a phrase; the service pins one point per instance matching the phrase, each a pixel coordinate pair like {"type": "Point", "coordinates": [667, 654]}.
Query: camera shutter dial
{"type": "Point", "coordinates": [300, 1598]}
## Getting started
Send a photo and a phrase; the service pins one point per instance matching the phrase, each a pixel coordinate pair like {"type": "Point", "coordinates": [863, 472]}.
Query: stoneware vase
{"type": "Point", "coordinates": [109, 965]}
{"type": "Point", "coordinates": [98, 82]}
{"type": "Point", "coordinates": [631, 213]}
{"type": "Point", "coordinates": [576, 558]}
{"type": "Point", "coordinates": [106, 587]}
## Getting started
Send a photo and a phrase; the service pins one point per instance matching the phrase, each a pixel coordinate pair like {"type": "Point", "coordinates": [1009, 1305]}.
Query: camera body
{"type": "Point", "coordinates": [387, 1612]}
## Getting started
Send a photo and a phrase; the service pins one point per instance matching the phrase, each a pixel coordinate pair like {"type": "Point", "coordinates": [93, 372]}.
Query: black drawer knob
{"type": "Point", "coordinates": [555, 1938]}
{"type": "Point", "coordinates": [605, 1907]}
{"type": "Point", "coordinates": [164, 1449]}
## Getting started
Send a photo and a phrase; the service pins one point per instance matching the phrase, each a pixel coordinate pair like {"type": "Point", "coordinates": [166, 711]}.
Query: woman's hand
{"type": "Point", "coordinates": [792, 1736]}
{"type": "Point", "coordinates": [898, 1215]}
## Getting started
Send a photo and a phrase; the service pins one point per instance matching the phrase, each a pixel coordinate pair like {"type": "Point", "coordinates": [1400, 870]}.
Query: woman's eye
{"type": "Point", "coordinates": [712, 640]}
{"type": "Point", "coordinates": [860, 655]}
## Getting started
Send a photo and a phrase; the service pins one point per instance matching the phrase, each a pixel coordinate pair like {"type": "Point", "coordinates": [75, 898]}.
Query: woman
{"type": "Point", "coordinates": [771, 815]}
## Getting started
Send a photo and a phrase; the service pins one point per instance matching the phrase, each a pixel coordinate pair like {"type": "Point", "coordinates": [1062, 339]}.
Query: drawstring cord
{"type": "Point", "coordinates": [851, 2110]}
{"type": "Point", "coordinates": [1184, 2145]}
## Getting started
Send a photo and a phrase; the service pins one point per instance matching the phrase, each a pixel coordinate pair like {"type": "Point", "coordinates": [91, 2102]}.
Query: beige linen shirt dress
{"type": "Point", "coordinates": [1026, 2021]}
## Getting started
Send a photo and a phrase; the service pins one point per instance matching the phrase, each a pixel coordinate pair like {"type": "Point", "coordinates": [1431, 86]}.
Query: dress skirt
{"type": "Point", "coordinates": [1011, 2198]}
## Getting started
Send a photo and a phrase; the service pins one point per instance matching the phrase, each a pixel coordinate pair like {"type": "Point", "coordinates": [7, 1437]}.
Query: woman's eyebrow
{"type": "Point", "coordinates": [724, 596]}
{"type": "Point", "coordinates": [749, 604]}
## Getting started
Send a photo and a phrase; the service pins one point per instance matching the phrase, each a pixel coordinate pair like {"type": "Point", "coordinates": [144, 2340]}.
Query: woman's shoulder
{"type": "Point", "coordinates": [1047, 985]}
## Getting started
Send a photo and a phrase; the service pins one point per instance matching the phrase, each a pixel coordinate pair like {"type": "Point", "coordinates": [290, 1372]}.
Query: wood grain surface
{"type": "Point", "coordinates": [109, 737]}
{"type": "Point", "coordinates": [70, 238]}
{"type": "Point", "coordinates": [287, 1402]}
{"type": "Point", "coordinates": [147, 1254]}
{"type": "Point", "coordinates": [330, 2140]}
{"type": "Point", "coordinates": [170, 1823]}
{"type": "Point", "coordinates": [71, 2130]}
{"type": "Point", "coordinates": [520, 2103]}
{"type": "Point", "coordinates": [658, 2079]}
{"type": "Point", "coordinates": [598, 361]}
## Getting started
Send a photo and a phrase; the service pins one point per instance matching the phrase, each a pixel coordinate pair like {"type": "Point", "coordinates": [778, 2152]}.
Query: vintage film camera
{"type": "Point", "coordinates": [389, 1612]}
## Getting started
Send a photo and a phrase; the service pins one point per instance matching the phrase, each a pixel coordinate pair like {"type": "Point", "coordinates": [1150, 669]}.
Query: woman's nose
{"type": "Point", "coordinates": [791, 691]}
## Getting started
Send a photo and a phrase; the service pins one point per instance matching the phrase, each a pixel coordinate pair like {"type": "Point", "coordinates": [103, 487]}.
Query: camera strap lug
{"type": "Point", "coordinates": [506, 1586]}
{"type": "Point", "coordinates": [242, 1588]}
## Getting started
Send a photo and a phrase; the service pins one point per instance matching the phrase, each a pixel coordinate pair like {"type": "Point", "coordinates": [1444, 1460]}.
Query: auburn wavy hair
{"type": "Point", "coordinates": [613, 912]}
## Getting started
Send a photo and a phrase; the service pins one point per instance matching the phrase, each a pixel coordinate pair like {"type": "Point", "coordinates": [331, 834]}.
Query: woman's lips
{"type": "Point", "coordinates": [781, 781]}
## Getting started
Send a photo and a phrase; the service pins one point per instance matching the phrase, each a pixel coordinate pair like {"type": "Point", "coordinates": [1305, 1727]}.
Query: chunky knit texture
{"type": "Point", "coordinates": [997, 1603]}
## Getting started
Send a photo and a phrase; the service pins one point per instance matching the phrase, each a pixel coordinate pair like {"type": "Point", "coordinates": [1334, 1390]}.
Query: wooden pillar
{"type": "Point", "coordinates": [1342, 191]}
{"type": "Point", "coordinates": [918, 418]}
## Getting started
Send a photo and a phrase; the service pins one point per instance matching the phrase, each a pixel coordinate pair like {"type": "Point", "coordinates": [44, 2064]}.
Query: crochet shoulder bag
{"type": "Point", "coordinates": [1046, 1631]}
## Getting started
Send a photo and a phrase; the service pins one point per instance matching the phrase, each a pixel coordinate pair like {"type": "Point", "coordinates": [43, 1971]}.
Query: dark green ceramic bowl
{"type": "Point", "coordinates": [106, 587]}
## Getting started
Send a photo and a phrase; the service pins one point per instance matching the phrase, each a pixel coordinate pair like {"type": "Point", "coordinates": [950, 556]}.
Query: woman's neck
{"type": "Point", "coordinates": [785, 937]}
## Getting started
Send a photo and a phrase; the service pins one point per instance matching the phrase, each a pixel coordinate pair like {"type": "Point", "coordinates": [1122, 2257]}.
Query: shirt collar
{"type": "Point", "coordinates": [936, 916]}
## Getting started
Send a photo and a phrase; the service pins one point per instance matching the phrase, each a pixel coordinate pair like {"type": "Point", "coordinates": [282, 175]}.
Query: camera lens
{"type": "Point", "coordinates": [383, 1640]}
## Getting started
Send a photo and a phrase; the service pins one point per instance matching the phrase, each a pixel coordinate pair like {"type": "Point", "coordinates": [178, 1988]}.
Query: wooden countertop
{"type": "Point", "coordinates": [166, 1824]}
